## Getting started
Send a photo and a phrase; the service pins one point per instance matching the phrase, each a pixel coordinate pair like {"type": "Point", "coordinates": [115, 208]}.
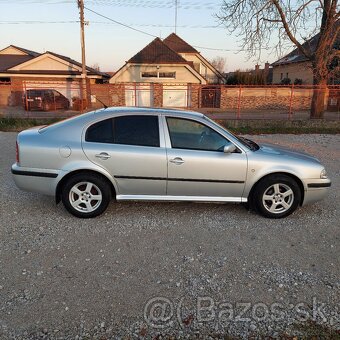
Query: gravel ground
{"type": "Point", "coordinates": [171, 269]}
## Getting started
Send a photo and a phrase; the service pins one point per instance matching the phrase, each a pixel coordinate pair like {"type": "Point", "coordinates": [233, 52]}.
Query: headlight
{"type": "Point", "coordinates": [323, 174]}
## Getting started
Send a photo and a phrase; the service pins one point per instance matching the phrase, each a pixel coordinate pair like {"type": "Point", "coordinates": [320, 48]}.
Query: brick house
{"type": "Point", "coordinates": [296, 66]}
{"type": "Point", "coordinates": [21, 68]}
{"type": "Point", "coordinates": [150, 75]}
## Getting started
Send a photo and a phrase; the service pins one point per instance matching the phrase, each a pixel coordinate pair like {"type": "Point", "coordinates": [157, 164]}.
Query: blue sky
{"type": "Point", "coordinates": [109, 44]}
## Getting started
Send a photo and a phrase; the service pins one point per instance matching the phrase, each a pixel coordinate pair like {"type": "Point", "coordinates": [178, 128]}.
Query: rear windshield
{"type": "Point", "coordinates": [61, 122]}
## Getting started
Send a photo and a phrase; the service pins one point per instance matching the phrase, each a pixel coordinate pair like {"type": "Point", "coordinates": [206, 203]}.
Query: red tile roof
{"type": "Point", "coordinates": [157, 52]}
{"type": "Point", "coordinates": [178, 44]}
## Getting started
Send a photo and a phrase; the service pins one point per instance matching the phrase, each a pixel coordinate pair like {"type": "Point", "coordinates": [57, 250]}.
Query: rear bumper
{"type": "Point", "coordinates": [316, 190]}
{"type": "Point", "coordinates": [43, 181]}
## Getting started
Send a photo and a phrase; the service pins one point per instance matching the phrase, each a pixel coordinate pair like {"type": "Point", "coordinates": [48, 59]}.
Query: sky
{"type": "Point", "coordinates": [53, 25]}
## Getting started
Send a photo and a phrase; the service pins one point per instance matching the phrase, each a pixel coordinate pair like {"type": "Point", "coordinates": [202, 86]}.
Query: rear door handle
{"type": "Point", "coordinates": [177, 161]}
{"type": "Point", "coordinates": [103, 156]}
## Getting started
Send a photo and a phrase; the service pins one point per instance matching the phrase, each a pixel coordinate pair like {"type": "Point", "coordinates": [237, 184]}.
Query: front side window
{"type": "Point", "coordinates": [127, 130]}
{"type": "Point", "coordinates": [189, 134]}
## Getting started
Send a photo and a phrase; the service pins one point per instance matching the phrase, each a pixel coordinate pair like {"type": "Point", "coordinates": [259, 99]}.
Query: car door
{"type": "Point", "coordinates": [198, 165]}
{"type": "Point", "coordinates": [129, 147]}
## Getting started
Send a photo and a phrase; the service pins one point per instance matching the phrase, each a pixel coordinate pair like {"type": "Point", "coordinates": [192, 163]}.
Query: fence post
{"type": "Point", "coordinates": [135, 92]}
{"type": "Point", "coordinates": [239, 102]}
{"type": "Point", "coordinates": [26, 99]}
{"type": "Point", "coordinates": [291, 102]}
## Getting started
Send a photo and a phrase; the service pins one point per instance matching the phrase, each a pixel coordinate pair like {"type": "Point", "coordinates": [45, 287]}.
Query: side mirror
{"type": "Point", "coordinates": [230, 148]}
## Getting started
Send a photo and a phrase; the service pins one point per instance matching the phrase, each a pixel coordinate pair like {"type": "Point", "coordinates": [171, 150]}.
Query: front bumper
{"type": "Point", "coordinates": [43, 181]}
{"type": "Point", "coordinates": [316, 190]}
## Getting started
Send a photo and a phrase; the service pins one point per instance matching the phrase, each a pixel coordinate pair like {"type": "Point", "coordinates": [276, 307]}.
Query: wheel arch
{"type": "Point", "coordinates": [83, 171]}
{"type": "Point", "coordinates": [294, 177]}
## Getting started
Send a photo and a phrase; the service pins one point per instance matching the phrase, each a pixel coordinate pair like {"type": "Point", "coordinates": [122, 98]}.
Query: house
{"type": "Point", "coordinates": [21, 69]}
{"type": "Point", "coordinates": [150, 75]}
{"type": "Point", "coordinates": [296, 67]}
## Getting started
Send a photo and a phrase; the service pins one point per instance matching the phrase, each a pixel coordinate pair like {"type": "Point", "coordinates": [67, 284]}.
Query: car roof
{"type": "Point", "coordinates": [143, 110]}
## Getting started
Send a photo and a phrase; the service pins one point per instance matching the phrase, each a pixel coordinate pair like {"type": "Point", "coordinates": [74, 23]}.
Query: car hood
{"type": "Point", "coordinates": [271, 149]}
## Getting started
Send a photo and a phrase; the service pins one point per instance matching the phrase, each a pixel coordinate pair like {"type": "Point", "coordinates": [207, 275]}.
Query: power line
{"type": "Point", "coordinates": [19, 22]}
{"type": "Point", "coordinates": [37, 22]}
{"type": "Point", "coordinates": [152, 35]}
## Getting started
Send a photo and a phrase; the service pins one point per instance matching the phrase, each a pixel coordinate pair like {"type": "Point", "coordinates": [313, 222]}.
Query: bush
{"type": "Point", "coordinates": [286, 81]}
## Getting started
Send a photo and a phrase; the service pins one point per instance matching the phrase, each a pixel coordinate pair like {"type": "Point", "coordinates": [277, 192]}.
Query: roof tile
{"type": "Point", "coordinates": [157, 52]}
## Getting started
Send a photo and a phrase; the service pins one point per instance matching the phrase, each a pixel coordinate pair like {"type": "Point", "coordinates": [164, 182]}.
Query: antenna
{"type": "Point", "coordinates": [176, 7]}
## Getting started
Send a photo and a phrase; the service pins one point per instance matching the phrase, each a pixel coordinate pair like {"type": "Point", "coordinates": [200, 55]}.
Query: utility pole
{"type": "Point", "coordinates": [83, 63]}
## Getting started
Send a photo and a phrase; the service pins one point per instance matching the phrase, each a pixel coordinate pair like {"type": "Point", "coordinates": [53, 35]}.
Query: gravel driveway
{"type": "Point", "coordinates": [181, 269]}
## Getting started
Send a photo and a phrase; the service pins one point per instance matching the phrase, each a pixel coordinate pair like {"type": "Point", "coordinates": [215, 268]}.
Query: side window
{"type": "Point", "coordinates": [128, 130]}
{"type": "Point", "coordinates": [101, 132]}
{"type": "Point", "coordinates": [189, 134]}
{"type": "Point", "coordinates": [136, 130]}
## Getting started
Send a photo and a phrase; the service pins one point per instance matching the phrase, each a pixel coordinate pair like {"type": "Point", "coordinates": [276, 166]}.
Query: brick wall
{"type": "Point", "coordinates": [194, 91]}
{"type": "Point", "coordinates": [157, 95]}
{"type": "Point", "coordinates": [266, 98]}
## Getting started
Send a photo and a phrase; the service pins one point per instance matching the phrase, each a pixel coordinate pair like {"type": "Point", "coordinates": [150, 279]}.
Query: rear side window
{"type": "Point", "coordinates": [127, 130]}
{"type": "Point", "coordinates": [101, 132]}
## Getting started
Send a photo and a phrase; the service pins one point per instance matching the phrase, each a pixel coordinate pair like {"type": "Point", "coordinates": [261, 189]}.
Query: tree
{"type": "Point", "coordinates": [219, 63]}
{"type": "Point", "coordinates": [246, 77]}
{"type": "Point", "coordinates": [313, 26]}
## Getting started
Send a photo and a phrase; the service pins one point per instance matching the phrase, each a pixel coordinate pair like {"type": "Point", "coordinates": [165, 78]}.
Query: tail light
{"type": "Point", "coordinates": [17, 152]}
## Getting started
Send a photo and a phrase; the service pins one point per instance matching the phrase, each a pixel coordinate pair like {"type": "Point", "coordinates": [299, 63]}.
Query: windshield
{"type": "Point", "coordinates": [244, 141]}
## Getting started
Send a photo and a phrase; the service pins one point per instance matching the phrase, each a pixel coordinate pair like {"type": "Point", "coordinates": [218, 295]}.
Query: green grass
{"type": "Point", "coordinates": [19, 124]}
{"type": "Point", "coordinates": [274, 128]}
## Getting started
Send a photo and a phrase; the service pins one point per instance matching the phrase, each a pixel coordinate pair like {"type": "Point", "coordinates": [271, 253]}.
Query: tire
{"type": "Point", "coordinates": [276, 196]}
{"type": "Point", "coordinates": [86, 195]}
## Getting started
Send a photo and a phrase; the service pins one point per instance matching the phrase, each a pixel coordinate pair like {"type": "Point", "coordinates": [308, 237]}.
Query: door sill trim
{"type": "Point", "coordinates": [180, 198]}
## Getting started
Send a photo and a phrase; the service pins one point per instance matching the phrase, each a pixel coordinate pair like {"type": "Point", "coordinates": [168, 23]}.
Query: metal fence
{"type": "Point", "coordinates": [65, 98]}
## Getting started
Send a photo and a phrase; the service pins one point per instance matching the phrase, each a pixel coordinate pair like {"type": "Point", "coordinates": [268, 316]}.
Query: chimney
{"type": "Point", "coordinates": [266, 67]}
{"type": "Point", "coordinates": [257, 68]}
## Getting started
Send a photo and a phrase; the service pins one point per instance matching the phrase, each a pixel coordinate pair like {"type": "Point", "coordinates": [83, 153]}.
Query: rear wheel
{"type": "Point", "coordinates": [86, 195]}
{"type": "Point", "coordinates": [277, 196]}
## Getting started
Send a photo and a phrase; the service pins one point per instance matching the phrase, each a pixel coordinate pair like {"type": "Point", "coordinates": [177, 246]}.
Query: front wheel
{"type": "Point", "coordinates": [86, 195]}
{"type": "Point", "coordinates": [277, 196]}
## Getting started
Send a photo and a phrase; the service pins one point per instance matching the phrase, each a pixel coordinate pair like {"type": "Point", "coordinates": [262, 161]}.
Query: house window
{"type": "Point", "coordinates": [167, 74]}
{"type": "Point", "coordinates": [281, 77]}
{"type": "Point", "coordinates": [157, 74]}
{"type": "Point", "coordinates": [5, 80]}
{"type": "Point", "coordinates": [287, 75]}
{"type": "Point", "coordinates": [149, 75]}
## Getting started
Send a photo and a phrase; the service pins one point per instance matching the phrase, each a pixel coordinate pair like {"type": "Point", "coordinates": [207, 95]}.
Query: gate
{"type": "Point", "coordinates": [211, 96]}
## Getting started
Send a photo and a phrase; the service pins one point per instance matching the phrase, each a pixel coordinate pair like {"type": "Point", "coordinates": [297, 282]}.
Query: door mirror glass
{"type": "Point", "coordinates": [229, 148]}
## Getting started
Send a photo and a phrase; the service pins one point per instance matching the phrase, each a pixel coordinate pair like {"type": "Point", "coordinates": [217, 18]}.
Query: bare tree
{"type": "Point", "coordinates": [313, 26]}
{"type": "Point", "coordinates": [219, 63]}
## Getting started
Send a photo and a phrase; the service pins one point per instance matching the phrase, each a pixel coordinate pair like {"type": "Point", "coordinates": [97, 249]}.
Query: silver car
{"type": "Point", "coordinates": [161, 155]}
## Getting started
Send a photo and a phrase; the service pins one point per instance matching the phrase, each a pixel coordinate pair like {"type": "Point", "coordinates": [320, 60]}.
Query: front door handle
{"type": "Point", "coordinates": [103, 156]}
{"type": "Point", "coordinates": [177, 161]}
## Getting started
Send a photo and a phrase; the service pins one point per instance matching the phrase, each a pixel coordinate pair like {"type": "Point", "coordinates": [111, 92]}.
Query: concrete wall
{"type": "Point", "coordinates": [265, 98]}
{"type": "Point", "coordinates": [201, 67]}
{"type": "Point", "coordinates": [132, 73]}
